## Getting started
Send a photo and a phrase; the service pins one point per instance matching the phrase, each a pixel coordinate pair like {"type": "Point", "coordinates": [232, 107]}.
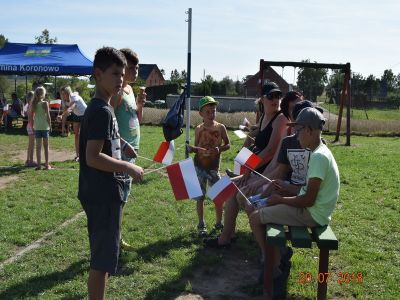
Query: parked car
{"type": "Point", "coordinates": [160, 103]}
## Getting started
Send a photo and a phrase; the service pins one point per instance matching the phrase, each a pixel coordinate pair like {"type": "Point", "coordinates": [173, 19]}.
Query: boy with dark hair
{"type": "Point", "coordinates": [209, 136]}
{"type": "Point", "coordinates": [101, 170]}
{"type": "Point", "coordinates": [129, 114]}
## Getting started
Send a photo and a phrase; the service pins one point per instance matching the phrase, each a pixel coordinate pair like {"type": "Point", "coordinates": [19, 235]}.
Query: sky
{"type": "Point", "coordinates": [228, 37]}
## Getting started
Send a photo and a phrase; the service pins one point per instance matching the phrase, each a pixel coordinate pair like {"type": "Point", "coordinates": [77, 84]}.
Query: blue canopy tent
{"type": "Point", "coordinates": [43, 59]}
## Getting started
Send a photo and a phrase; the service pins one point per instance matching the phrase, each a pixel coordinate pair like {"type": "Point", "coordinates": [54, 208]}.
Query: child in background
{"type": "Point", "coordinates": [41, 124]}
{"type": "Point", "coordinates": [207, 146]}
{"type": "Point", "coordinates": [31, 133]}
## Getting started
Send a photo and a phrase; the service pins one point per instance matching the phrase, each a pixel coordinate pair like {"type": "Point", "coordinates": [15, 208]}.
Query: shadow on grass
{"type": "Point", "coordinates": [12, 170]}
{"type": "Point", "coordinates": [203, 260]}
{"type": "Point", "coordinates": [34, 286]}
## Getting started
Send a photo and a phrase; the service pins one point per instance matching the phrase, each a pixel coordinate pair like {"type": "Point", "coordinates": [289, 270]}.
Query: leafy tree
{"type": "Point", "coordinates": [5, 85]}
{"type": "Point", "coordinates": [312, 81]}
{"type": "Point", "coordinates": [177, 77]}
{"type": "Point", "coordinates": [204, 87]}
{"type": "Point", "coordinates": [389, 79]}
{"type": "Point", "coordinates": [3, 40]}
{"type": "Point", "coordinates": [371, 86]}
{"type": "Point", "coordinates": [162, 71]}
{"type": "Point", "coordinates": [44, 38]}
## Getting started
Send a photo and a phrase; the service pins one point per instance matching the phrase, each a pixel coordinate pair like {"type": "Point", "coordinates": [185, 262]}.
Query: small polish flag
{"type": "Point", "coordinates": [248, 158]}
{"type": "Point", "coordinates": [238, 169]}
{"type": "Point", "coordinates": [183, 179]}
{"type": "Point", "coordinates": [221, 191]}
{"type": "Point", "coordinates": [165, 153]}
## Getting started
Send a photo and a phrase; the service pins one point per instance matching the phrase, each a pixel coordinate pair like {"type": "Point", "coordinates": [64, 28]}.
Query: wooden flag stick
{"type": "Point", "coordinates": [259, 174]}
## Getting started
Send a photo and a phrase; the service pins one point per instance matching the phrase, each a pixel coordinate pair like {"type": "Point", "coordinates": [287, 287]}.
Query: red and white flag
{"type": "Point", "coordinates": [183, 179]}
{"type": "Point", "coordinates": [221, 191]}
{"type": "Point", "coordinates": [238, 169]}
{"type": "Point", "coordinates": [248, 158]}
{"type": "Point", "coordinates": [165, 153]}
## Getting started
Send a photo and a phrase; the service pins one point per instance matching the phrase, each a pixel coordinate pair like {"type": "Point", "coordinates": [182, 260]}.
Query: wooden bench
{"type": "Point", "coordinates": [300, 237]}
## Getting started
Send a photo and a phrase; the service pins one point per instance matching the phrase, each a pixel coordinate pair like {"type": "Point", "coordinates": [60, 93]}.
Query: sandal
{"type": "Point", "coordinates": [48, 167]}
{"type": "Point", "coordinates": [202, 229]}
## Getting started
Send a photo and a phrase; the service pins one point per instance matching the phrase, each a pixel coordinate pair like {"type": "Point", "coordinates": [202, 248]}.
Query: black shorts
{"type": "Point", "coordinates": [74, 118]}
{"type": "Point", "coordinates": [104, 224]}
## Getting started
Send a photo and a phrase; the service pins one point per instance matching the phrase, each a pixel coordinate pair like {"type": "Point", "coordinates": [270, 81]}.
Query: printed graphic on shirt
{"type": "Point", "coordinates": [298, 159]}
{"type": "Point", "coordinates": [115, 140]}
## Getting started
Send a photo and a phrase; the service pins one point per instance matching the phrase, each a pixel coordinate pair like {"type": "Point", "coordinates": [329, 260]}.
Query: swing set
{"type": "Point", "coordinates": [345, 92]}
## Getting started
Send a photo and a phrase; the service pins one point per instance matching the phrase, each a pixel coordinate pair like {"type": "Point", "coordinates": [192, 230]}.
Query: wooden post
{"type": "Point", "coordinates": [342, 100]}
{"type": "Point", "coordinates": [348, 71]}
{"type": "Point", "coordinates": [323, 268]}
{"type": "Point", "coordinates": [269, 258]}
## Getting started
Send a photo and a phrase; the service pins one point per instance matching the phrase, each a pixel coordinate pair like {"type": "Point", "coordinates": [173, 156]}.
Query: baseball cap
{"type": "Point", "coordinates": [270, 87]}
{"type": "Point", "coordinates": [303, 104]}
{"type": "Point", "coordinates": [206, 100]}
{"type": "Point", "coordinates": [310, 117]}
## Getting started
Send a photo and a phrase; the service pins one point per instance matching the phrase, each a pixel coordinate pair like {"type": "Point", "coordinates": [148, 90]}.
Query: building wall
{"type": "Point", "coordinates": [155, 78]}
{"type": "Point", "coordinates": [226, 104]}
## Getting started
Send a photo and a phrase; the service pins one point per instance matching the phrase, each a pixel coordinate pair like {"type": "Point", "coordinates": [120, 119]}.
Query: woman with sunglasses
{"type": "Point", "coordinates": [272, 125]}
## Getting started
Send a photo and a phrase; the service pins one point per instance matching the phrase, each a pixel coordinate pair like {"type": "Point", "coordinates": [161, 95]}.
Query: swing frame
{"type": "Point", "coordinates": [345, 93]}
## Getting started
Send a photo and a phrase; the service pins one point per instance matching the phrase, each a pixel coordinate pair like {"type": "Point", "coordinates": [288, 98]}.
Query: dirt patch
{"type": "Point", "coordinates": [6, 180]}
{"type": "Point", "coordinates": [53, 156]}
{"type": "Point", "coordinates": [235, 278]}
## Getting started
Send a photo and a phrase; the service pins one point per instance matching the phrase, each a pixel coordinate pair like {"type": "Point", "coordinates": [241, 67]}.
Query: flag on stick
{"type": "Point", "coordinates": [165, 153]}
{"type": "Point", "coordinates": [248, 158]}
{"type": "Point", "coordinates": [183, 179]}
{"type": "Point", "coordinates": [238, 169]}
{"type": "Point", "coordinates": [221, 191]}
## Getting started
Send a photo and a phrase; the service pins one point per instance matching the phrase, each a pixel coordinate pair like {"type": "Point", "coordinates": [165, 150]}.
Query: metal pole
{"type": "Point", "coordinates": [189, 20]}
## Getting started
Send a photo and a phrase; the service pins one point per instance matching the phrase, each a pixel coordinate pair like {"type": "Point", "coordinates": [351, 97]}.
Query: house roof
{"type": "Point", "coordinates": [145, 70]}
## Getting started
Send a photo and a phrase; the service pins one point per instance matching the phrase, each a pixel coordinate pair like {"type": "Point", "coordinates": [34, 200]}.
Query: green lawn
{"type": "Point", "coordinates": [367, 114]}
{"type": "Point", "coordinates": [169, 255]}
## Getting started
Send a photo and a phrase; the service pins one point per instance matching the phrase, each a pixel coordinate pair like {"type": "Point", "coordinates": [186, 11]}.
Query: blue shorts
{"type": "Point", "coordinates": [204, 176]}
{"type": "Point", "coordinates": [42, 134]}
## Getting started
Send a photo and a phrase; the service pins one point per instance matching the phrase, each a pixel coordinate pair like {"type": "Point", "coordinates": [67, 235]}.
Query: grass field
{"type": "Point", "coordinates": [170, 257]}
{"type": "Point", "coordinates": [367, 114]}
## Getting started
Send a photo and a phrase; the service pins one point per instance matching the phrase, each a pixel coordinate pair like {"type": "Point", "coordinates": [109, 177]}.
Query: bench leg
{"type": "Point", "coordinates": [268, 271]}
{"type": "Point", "coordinates": [323, 268]}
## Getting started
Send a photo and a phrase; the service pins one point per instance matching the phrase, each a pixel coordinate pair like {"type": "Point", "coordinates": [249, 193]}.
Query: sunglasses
{"type": "Point", "coordinates": [273, 96]}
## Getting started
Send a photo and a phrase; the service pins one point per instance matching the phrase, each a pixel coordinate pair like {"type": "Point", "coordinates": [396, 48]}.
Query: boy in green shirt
{"type": "Point", "coordinates": [314, 204]}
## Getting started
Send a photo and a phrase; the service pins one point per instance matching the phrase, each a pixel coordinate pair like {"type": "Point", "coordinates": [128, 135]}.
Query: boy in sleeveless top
{"type": "Point", "coordinates": [129, 114]}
